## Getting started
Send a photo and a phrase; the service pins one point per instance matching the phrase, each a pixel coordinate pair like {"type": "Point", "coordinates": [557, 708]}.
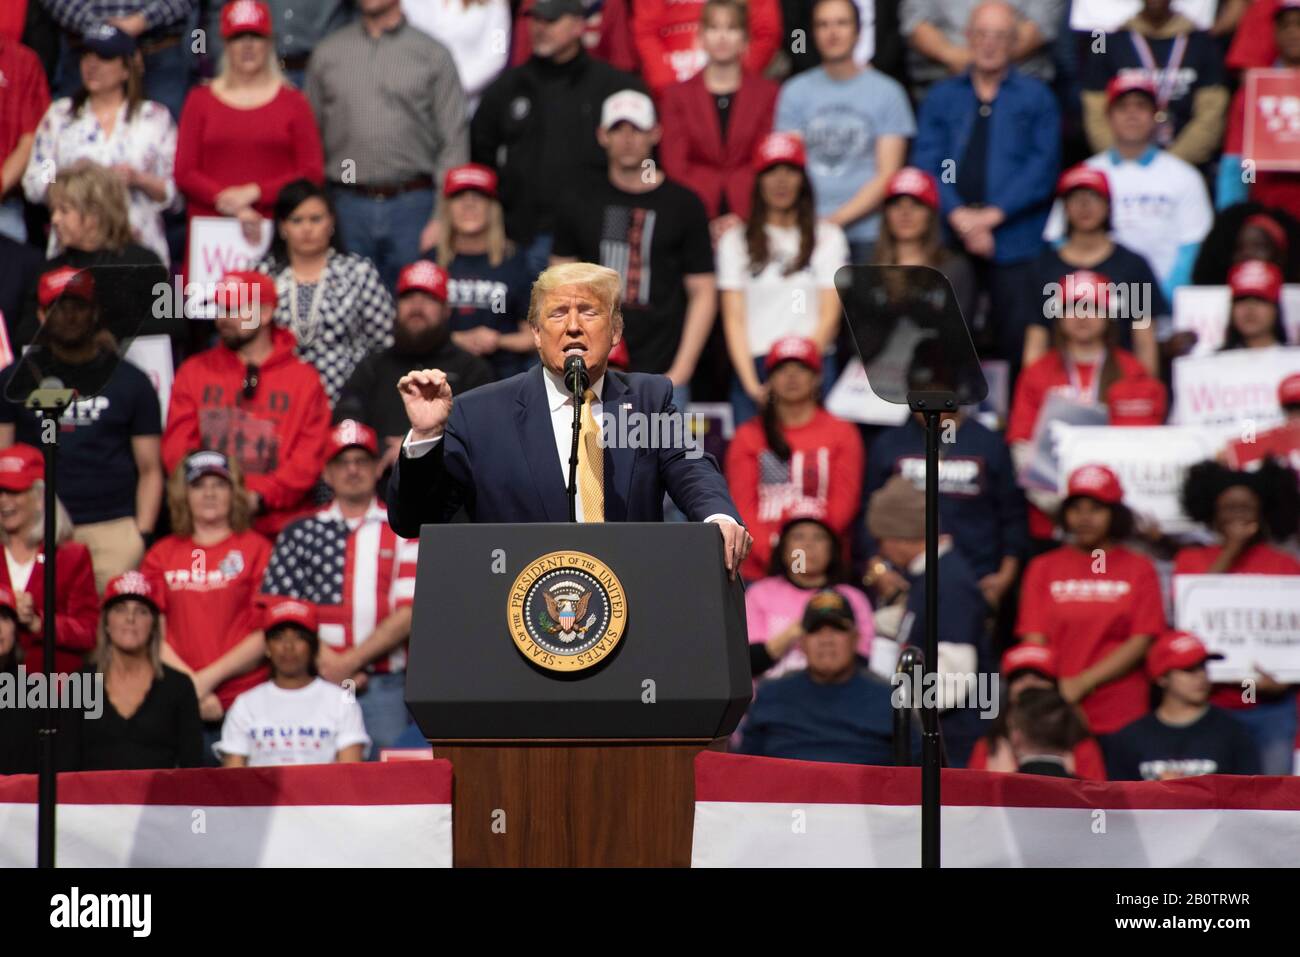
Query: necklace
{"type": "Point", "coordinates": [304, 330]}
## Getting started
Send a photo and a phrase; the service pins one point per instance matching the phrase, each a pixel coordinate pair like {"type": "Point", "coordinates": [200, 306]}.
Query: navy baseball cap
{"type": "Point", "coordinates": [108, 42]}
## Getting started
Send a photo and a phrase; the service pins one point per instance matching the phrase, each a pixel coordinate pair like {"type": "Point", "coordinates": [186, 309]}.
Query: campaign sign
{"type": "Point", "coordinates": [218, 246]}
{"type": "Point", "coordinates": [1230, 390]}
{"type": "Point", "coordinates": [1271, 136]}
{"type": "Point", "coordinates": [1254, 620]}
{"type": "Point", "coordinates": [851, 399]}
{"type": "Point", "coordinates": [1204, 310]}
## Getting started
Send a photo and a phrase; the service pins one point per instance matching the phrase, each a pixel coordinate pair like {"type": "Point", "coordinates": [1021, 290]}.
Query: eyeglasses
{"type": "Point", "coordinates": [250, 381]}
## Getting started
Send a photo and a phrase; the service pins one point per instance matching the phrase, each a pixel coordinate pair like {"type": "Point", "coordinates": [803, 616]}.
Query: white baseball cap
{"type": "Point", "coordinates": [630, 106]}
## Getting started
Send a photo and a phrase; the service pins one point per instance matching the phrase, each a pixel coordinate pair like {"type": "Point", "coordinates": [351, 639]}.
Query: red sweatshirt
{"type": "Point", "coordinates": [823, 478]}
{"type": "Point", "coordinates": [278, 435]}
{"type": "Point", "coordinates": [665, 33]}
{"type": "Point", "coordinates": [76, 608]}
{"type": "Point", "coordinates": [219, 146]}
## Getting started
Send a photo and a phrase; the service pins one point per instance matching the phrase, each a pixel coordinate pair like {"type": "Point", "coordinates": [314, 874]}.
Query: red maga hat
{"type": "Point", "coordinates": [21, 467]}
{"type": "Point", "coordinates": [238, 287]}
{"type": "Point", "coordinates": [291, 611]}
{"type": "Point", "coordinates": [1027, 656]}
{"type": "Point", "coordinates": [1256, 279]}
{"type": "Point", "coordinates": [1095, 481]}
{"type": "Point", "coordinates": [245, 16]}
{"type": "Point", "coordinates": [133, 584]}
{"type": "Point", "coordinates": [915, 182]}
{"type": "Point", "coordinates": [777, 148]}
{"type": "Point", "coordinates": [1083, 176]}
{"type": "Point", "coordinates": [1288, 390]}
{"type": "Point", "coordinates": [351, 434]}
{"type": "Point", "coordinates": [1129, 81]}
{"type": "Point", "coordinates": [65, 281]}
{"type": "Point", "coordinates": [1177, 649]}
{"type": "Point", "coordinates": [473, 176]}
{"type": "Point", "coordinates": [794, 348]}
{"type": "Point", "coordinates": [423, 276]}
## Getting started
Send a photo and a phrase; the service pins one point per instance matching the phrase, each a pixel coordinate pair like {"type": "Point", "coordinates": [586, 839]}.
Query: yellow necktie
{"type": "Point", "coordinates": [591, 465]}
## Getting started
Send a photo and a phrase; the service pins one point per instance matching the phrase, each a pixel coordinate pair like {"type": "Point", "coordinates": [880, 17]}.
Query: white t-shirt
{"type": "Point", "coordinates": [777, 305]}
{"type": "Point", "coordinates": [270, 725]}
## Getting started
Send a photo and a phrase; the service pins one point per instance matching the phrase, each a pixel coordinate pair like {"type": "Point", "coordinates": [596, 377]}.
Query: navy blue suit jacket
{"type": "Point", "coordinates": [497, 458]}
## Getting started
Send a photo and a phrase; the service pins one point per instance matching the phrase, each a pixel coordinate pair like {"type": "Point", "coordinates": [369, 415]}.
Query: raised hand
{"type": "Point", "coordinates": [426, 394]}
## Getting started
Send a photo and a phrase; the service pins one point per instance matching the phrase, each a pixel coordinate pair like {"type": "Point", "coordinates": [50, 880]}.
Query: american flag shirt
{"type": "Point", "coordinates": [356, 572]}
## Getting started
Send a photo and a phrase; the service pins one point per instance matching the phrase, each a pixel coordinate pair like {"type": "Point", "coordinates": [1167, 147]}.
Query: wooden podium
{"type": "Point", "coordinates": [591, 767]}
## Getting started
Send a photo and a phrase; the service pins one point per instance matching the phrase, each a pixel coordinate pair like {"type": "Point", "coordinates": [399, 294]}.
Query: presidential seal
{"type": "Point", "coordinates": [566, 611]}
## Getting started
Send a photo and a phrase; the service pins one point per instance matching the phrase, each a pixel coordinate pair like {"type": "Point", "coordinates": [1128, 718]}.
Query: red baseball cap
{"type": "Point", "coordinates": [1095, 481]}
{"type": "Point", "coordinates": [1129, 81]}
{"type": "Point", "coordinates": [1028, 656]}
{"type": "Point", "coordinates": [1288, 390]}
{"type": "Point", "coordinates": [65, 281]}
{"type": "Point", "coordinates": [351, 434]}
{"type": "Point", "coordinates": [1177, 649]}
{"type": "Point", "coordinates": [915, 182]}
{"type": "Point", "coordinates": [1085, 288]}
{"type": "Point", "coordinates": [794, 348]}
{"type": "Point", "coordinates": [245, 16]}
{"type": "Point", "coordinates": [133, 584]}
{"type": "Point", "coordinates": [290, 611]}
{"type": "Point", "coordinates": [473, 176]}
{"type": "Point", "coordinates": [423, 276]}
{"type": "Point", "coordinates": [776, 148]}
{"type": "Point", "coordinates": [1256, 279]}
{"type": "Point", "coordinates": [1083, 176]}
{"type": "Point", "coordinates": [21, 467]}
{"type": "Point", "coordinates": [1137, 402]}
{"type": "Point", "coordinates": [619, 358]}
{"type": "Point", "coordinates": [239, 287]}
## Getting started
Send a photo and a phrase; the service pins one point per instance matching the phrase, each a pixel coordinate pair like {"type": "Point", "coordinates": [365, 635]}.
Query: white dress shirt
{"type": "Point", "coordinates": [560, 401]}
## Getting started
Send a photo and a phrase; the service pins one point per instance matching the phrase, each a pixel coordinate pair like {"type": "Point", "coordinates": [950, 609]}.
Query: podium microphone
{"type": "Point", "coordinates": [576, 378]}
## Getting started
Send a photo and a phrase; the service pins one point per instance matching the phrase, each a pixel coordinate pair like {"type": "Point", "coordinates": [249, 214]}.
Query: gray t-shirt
{"type": "Point", "coordinates": [950, 16]}
{"type": "Point", "coordinates": [840, 121]}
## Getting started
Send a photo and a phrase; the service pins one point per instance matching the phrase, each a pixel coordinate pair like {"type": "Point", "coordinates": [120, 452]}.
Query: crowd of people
{"type": "Point", "coordinates": [1114, 207]}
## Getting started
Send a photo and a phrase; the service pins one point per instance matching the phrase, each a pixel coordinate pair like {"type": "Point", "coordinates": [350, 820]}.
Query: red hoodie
{"type": "Point", "coordinates": [665, 32]}
{"type": "Point", "coordinates": [278, 435]}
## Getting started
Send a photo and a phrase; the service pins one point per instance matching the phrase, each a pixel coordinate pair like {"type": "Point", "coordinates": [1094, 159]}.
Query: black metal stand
{"type": "Point", "coordinates": [573, 456]}
{"type": "Point", "coordinates": [50, 403]}
{"type": "Point", "coordinates": [908, 661]}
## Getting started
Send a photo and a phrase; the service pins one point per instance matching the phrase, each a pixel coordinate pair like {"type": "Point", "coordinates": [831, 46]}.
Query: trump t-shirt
{"type": "Point", "coordinates": [271, 725]}
{"type": "Point", "coordinates": [1087, 607]}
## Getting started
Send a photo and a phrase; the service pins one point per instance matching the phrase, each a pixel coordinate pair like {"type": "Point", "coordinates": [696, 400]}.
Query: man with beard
{"type": "Point", "coordinates": [109, 470]}
{"type": "Point", "coordinates": [421, 340]}
{"type": "Point", "coordinates": [251, 399]}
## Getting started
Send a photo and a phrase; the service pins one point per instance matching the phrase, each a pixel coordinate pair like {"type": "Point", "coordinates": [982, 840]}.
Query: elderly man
{"type": "Point", "coordinates": [502, 452]}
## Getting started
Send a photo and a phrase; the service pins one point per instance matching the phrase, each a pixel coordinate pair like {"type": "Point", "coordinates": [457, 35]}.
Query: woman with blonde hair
{"type": "Point", "coordinates": [150, 714]}
{"type": "Point", "coordinates": [209, 571]}
{"type": "Point", "coordinates": [248, 133]}
{"type": "Point", "coordinates": [109, 121]}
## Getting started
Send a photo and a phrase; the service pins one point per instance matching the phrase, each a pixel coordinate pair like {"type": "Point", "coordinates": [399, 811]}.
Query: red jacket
{"type": "Point", "coordinates": [665, 33]}
{"type": "Point", "coordinates": [278, 435]}
{"type": "Point", "coordinates": [692, 148]}
{"type": "Point", "coordinates": [608, 36]}
{"type": "Point", "coordinates": [76, 608]}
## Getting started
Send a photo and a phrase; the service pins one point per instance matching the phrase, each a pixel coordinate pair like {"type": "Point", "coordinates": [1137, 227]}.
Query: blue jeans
{"type": "Point", "coordinates": [742, 406]}
{"type": "Point", "coordinates": [383, 707]}
{"type": "Point", "coordinates": [11, 219]}
{"type": "Point", "coordinates": [1272, 724]}
{"type": "Point", "coordinates": [385, 231]}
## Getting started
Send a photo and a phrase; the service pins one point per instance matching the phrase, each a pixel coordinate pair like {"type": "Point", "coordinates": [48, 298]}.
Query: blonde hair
{"type": "Point", "coordinates": [178, 502]}
{"type": "Point", "coordinates": [739, 7]}
{"type": "Point", "coordinates": [221, 82]}
{"type": "Point", "coordinates": [94, 190]}
{"type": "Point", "coordinates": [103, 654]}
{"type": "Point", "coordinates": [34, 534]}
{"type": "Point", "coordinates": [606, 283]}
{"type": "Point", "coordinates": [498, 246]}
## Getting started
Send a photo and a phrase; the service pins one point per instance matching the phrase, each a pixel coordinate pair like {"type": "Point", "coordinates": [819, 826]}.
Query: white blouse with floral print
{"type": "Point", "coordinates": [147, 143]}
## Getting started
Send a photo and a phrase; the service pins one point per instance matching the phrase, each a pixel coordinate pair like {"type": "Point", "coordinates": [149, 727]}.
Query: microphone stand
{"type": "Point", "coordinates": [575, 377]}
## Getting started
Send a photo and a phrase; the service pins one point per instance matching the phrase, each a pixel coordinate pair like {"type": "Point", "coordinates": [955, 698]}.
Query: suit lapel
{"type": "Point", "coordinates": [537, 437]}
{"type": "Point", "coordinates": [620, 459]}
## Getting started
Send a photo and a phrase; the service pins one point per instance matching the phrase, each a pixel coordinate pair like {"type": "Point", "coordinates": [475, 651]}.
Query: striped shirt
{"type": "Point", "coordinates": [390, 107]}
{"type": "Point", "coordinates": [80, 15]}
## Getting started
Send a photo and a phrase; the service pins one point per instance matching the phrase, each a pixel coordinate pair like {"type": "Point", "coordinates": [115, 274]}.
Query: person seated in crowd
{"type": "Point", "coordinates": [1042, 732]}
{"type": "Point", "coordinates": [109, 466]}
{"type": "Point", "coordinates": [1082, 369]}
{"type": "Point", "coordinates": [896, 520]}
{"type": "Point", "coordinates": [1255, 321]}
{"type": "Point", "coordinates": [109, 122]}
{"type": "Point", "coordinates": [1248, 231]}
{"type": "Point", "coordinates": [807, 558]}
{"type": "Point", "coordinates": [250, 398]}
{"type": "Point", "coordinates": [661, 247]}
{"type": "Point", "coordinates": [20, 728]}
{"type": "Point", "coordinates": [1025, 668]}
{"type": "Point", "coordinates": [1248, 512]}
{"type": "Point", "coordinates": [22, 531]}
{"type": "Point", "coordinates": [544, 113]}
{"type": "Point", "coordinates": [714, 121]}
{"type": "Point", "coordinates": [1095, 603]}
{"type": "Point", "coordinates": [980, 504]}
{"type": "Point", "coordinates": [1159, 205]}
{"type": "Point", "coordinates": [359, 575]}
{"type": "Point", "coordinates": [421, 340]}
{"type": "Point", "coordinates": [1279, 189]}
{"type": "Point", "coordinates": [1186, 66]}
{"type": "Point", "coordinates": [89, 215]}
{"type": "Point", "coordinates": [1085, 196]}
{"type": "Point", "coordinates": [209, 570]}
{"type": "Point", "coordinates": [151, 714]}
{"type": "Point", "coordinates": [668, 34]}
{"type": "Point", "coordinates": [296, 717]}
{"type": "Point", "coordinates": [911, 234]}
{"type": "Point", "coordinates": [24, 98]}
{"type": "Point", "coordinates": [796, 458]}
{"type": "Point", "coordinates": [487, 291]}
{"type": "Point", "coordinates": [333, 302]}
{"type": "Point", "coordinates": [777, 274]}
{"type": "Point", "coordinates": [247, 134]}
{"type": "Point", "coordinates": [1001, 128]}
{"type": "Point", "coordinates": [941, 45]}
{"type": "Point", "coordinates": [855, 122]}
{"type": "Point", "coordinates": [474, 31]}
{"type": "Point", "coordinates": [392, 119]}
{"type": "Point", "coordinates": [1185, 735]}
{"type": "Point", "coordinates": [832, 710]}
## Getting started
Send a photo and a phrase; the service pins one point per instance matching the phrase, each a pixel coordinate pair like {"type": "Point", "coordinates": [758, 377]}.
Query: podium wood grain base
{"type": "Point", "coordinates": [571, 803]}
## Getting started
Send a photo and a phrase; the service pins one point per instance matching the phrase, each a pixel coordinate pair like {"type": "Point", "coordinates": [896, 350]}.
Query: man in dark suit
{"type": "Point", "coordinates": [502, 450]}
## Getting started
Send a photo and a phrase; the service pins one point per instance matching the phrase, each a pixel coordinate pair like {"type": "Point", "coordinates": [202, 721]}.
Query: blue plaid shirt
{"type": "Point", "coordinates": [80, 15]}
